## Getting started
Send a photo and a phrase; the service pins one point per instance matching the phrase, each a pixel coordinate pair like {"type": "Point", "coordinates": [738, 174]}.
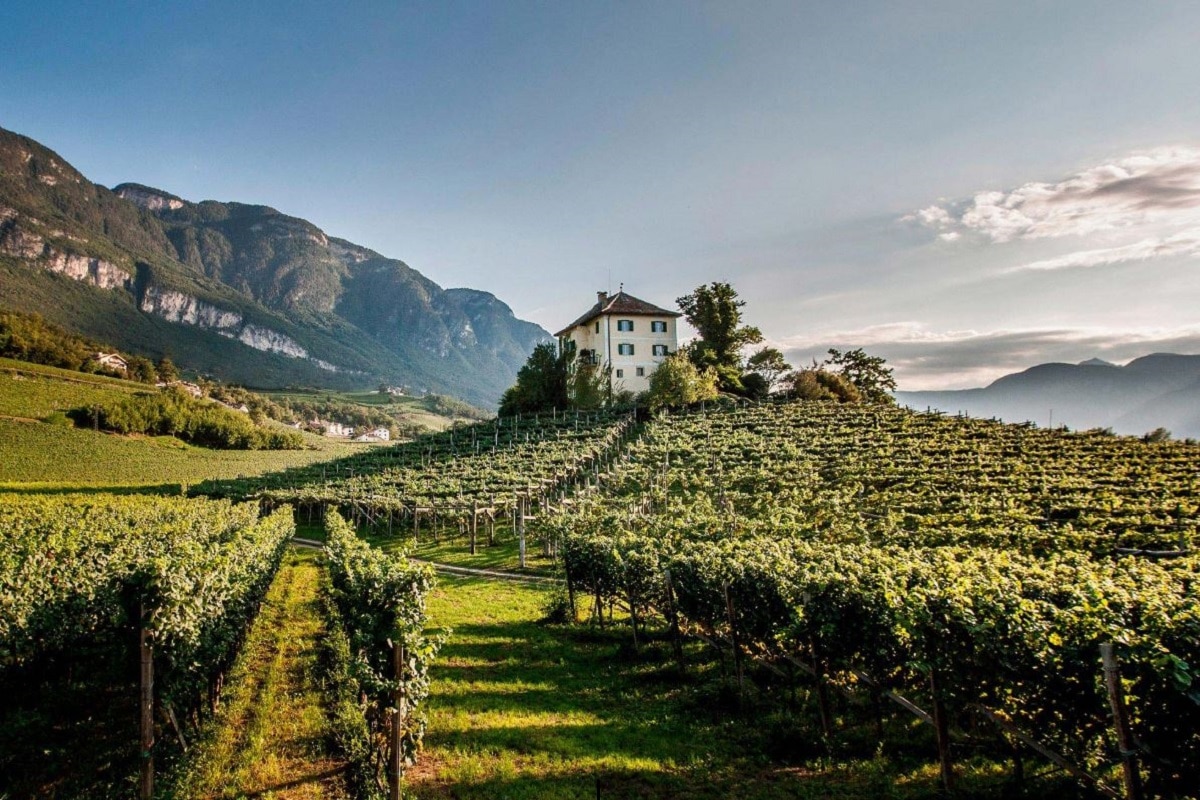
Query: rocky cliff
{"type": "Point", "coordinates": [276, 285]}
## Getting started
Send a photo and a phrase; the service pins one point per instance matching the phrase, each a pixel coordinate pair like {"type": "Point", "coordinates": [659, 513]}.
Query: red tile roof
{"type": "Point", "coordinates": [620, 303]}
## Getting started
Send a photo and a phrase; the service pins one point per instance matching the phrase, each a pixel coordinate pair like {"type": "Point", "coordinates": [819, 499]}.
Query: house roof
{"type": "Point", "coordinates": [619, 303]}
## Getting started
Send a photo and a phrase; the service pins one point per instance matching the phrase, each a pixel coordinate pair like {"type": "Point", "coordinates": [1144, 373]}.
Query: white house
{"type": "Point", "coordinates": [112, 361]}
{"type": "Point", "coordinates": [627, 334]}
{"type": "Point", "coordinates": [375, 435]}
{"type": "Point", "coordinates": [335, 428]}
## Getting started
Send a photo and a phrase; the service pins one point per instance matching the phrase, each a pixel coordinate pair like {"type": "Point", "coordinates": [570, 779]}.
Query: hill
{"type": "Point", "coordinates": [240, 292]}
{"type": "Point", "coordinates": [1159, 390]}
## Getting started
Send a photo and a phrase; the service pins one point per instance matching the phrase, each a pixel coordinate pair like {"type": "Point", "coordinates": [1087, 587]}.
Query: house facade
{"type": "Point", "coordinates": [624, 333]}
{"type": "Point", "coordinates": [112, 361]}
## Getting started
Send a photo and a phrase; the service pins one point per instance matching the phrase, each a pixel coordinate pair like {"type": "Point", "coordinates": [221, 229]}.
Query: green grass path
{"type": "Point", "coordinates": [269, 739]}
{"type": "Point", "coordinates": [519, 709]}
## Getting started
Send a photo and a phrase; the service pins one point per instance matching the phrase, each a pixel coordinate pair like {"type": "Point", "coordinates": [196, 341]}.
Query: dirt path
{"type": "Point", "coordinates": [269, 739]}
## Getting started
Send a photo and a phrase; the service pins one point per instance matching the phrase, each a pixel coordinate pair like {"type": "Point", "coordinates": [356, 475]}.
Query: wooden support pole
{"type": "Point", "coordinates": [396, 761]}
{"type": "Point", "coordinates": [492, 521]}
{"type": "Point", "coordinates": [941, 726]}
{"type": "Point", "coordinates": [737, 646]}
{"type": "Point", "coordinates": [146, 742]}
{"type": "Point", "coordinates": [673, 619]}
{"type": "Point", "coordinates": [521, 530]}
{"type": "Point", "coordinates": [1116, 698]}
{"type": "Point", "coordinates": [1047, 753]}
{"type": "Point", "coordinates": [823, 705]}
{"type": "Point", "coordinates": [474, 524]}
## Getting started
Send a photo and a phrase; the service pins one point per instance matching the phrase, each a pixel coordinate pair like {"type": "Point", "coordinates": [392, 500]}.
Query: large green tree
{"type": "Point", "coordinates": [716, 313]}
{"type": "Point", "coordinates": [869, 374]}
{"type": "Point", "coordinates": [541, 384]}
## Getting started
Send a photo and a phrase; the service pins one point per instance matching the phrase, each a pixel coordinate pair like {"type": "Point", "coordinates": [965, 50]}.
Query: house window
{"type": "Point", "coordinates": [660, 349]}
{"type": "Point", "coordinates": [620, 373]}
{"type": "Point", "coordinates": [641, 372]}
{"type": "Point", "coordinates": [624, 325]}
{"type": "Point", "coordinates": [658, 326]}
{"type": "Point", "coordinates": [624, 349]}
{"type": "Point", "coordinates": [597, 326]}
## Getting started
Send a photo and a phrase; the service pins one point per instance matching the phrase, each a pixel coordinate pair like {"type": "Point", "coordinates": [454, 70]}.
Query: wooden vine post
{"type": "Point", "coordinates": [146, 742]}
{"type": "Point", "coordinates": [673, 618]}
{"type": "Point", "coordinates": [474, 523]}
{"type": "Point", "coordinates": [521, 529]}
{"type": "Point", "coordinates": [1125, 740]}
{"type": "Point", "coordinates": [396, 762]}
{"type": "Point", "coordinates": [941, 726]}
{"type": "Point", "coordinates": [737, 646]}
{"type": "Point", "coordinates": [823, 705]}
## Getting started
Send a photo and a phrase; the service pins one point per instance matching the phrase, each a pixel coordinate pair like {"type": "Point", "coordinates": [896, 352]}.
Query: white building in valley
{"type": "Point", "coordinates": [627, 334]}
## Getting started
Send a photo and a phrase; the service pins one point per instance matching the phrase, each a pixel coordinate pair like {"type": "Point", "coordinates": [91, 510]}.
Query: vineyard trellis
{"type": "Point", "coordinates": [975, 565]}
{"type": "Point", "coordinates": [187, 575]}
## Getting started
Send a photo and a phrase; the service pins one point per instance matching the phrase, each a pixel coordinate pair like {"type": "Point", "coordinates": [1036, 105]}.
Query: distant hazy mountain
{"type": "Point", "coordinates": [1159, 390]}
{"type": "Point", "coordinates": [241, 292]}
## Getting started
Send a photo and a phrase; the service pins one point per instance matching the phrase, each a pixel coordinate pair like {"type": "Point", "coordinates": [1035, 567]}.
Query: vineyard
{"type": "Point", "coordinates": [469, 478]}
{"type": "Point", "coordinates": [968, 570]}
{"type": "Point", "coordinates": [92, 584]}
{"type": "Point", "coordinates": [1024, 596]}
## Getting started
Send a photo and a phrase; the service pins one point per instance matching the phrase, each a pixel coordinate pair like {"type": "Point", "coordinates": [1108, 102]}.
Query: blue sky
{"type": "Point", "coordinates": [964, 188]}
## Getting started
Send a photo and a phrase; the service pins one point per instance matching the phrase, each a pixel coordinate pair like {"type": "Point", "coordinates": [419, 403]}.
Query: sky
{"type": "Point", "coordinates": [966, 189]}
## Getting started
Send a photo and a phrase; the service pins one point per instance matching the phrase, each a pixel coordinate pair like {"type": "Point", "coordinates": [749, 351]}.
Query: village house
{"type": "Point", "coordinates": [190, 388]}
{"type": "Point", "coordinates": [375, 435]}
{"type": "Point", "coordinates": [112, 361]}
{"type": "Point", "coordinates": [335, 428]}
{"type": "Point", "coordinates": [625, 333]}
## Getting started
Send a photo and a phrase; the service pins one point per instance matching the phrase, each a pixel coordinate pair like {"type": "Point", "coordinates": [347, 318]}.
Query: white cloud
{"type": "Point", "coordinates": [1181, 244]}
{"type": "Point", "coordinates": [1158, 188]}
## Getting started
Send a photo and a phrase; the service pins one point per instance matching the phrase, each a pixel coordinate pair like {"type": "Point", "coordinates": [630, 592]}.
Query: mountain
{"type": "Point", "coordinates": [240, 292]}
{"type": "Point", "coordinates": [1159, 390]}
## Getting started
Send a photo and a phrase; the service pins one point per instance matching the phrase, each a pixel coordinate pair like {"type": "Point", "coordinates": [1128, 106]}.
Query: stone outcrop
{"type": "Point", "coordinates": [23, 244]}
{"type": "Point", "coordinates": [185, 309]}
{"type": "Point", "coordinates": [149, 199]}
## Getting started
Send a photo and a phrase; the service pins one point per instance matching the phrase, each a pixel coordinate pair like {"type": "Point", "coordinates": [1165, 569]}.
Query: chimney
{"type": "Point", "coordinates": [601, 297]}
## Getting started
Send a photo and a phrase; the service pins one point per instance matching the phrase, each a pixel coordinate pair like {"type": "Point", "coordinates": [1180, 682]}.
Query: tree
{"type": "Point", "coordinates": [142, 369]}
{"type": "Point", "coordinates": [867, 373]}
{"type": "Point", "coordinates": [770, 364]}
{"type": "Point", "coordinates": [1157, 435]}
{"type": "Point", "coordinates": [679, 382]}
{"type": "Point", "coordinates": [167, 371]}
{"type": "Point", "coordinates": [541, 383]}
{"type": "Point", "coordinates": [716, 313]}
{"type": "Point", "coordinates": [588, 384]}
{"type": "Point", "coordinates": [818, 384]}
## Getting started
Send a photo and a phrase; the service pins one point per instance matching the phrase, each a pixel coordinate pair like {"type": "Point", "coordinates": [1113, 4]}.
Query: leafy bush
{"type": "Point", "coordinates": [173, 412]}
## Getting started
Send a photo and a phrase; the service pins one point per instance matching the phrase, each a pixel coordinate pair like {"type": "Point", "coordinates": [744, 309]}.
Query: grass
{"type": "Point", "coordinates": [455, 550]}
{"type": "Point", "coordinates": [269, 739]}
{"type": "Point", "coordinates": [39, 456]}
{"type": "Point", "coordinates": [42, 456]}
{"type": "Point", "coordinates": [521, 709]}
{"type": "Point", "coordinates": [32, 391]}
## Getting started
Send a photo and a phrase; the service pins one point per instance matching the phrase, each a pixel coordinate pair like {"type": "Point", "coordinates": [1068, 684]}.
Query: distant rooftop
{"type": "Point", "coordinates": [619, 303]}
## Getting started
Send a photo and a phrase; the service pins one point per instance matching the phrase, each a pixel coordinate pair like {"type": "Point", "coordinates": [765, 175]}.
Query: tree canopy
{"type": "Point", "coordinates": [541, 383]}
{"type": "Point", "coordinates": [715, 312]}
{"type": "Point", "coordinates": [869, 374]}
{"type": "Point", "coordinates": [679, 382]}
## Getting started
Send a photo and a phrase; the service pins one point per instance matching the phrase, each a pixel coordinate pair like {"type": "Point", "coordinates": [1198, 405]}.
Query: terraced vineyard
{"type": "Point", "coordinates": [468, 472]}
{"type": "Point", "coordinates": [972, 567]}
